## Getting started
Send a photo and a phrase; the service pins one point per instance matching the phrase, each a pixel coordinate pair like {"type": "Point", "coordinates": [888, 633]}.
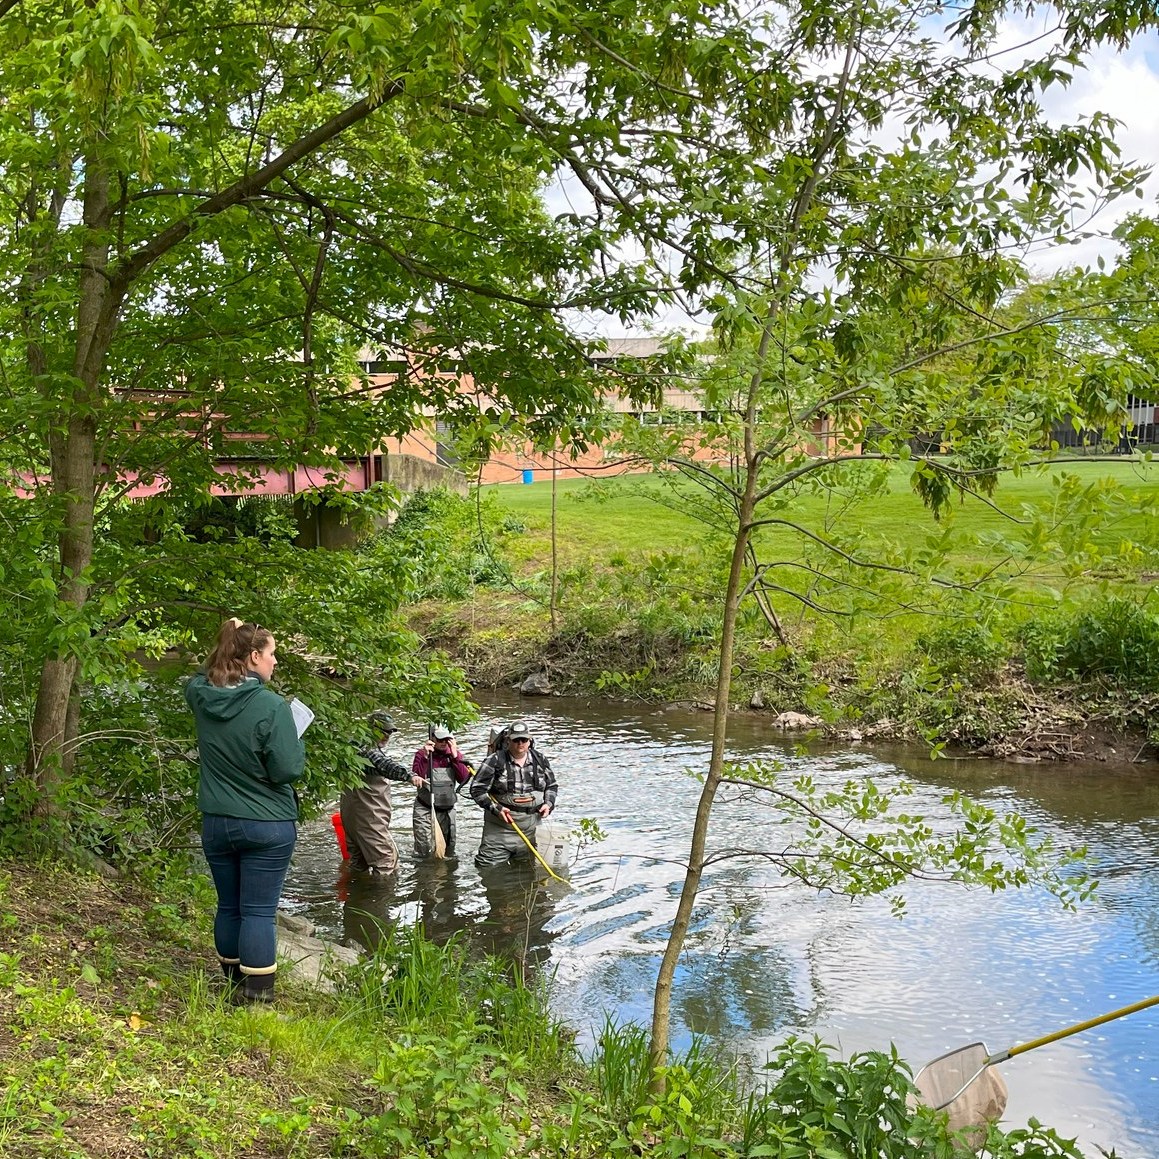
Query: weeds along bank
{"type": "Point", "coordinates": [959, 634]}
{"type": "Point", "coordinates": [116, 1041]}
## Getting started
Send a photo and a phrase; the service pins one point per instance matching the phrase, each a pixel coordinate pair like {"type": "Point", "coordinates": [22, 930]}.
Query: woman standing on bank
{"type": "Point", "coordinates": [250, 754]}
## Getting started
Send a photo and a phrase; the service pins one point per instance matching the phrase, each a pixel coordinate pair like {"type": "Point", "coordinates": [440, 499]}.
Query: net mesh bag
{"type": "Point", "coordinates": [970, 1092]}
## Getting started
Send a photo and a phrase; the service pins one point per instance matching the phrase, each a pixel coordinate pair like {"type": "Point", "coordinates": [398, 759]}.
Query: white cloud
{"type": "Point", "coordinates": [1124, 85]}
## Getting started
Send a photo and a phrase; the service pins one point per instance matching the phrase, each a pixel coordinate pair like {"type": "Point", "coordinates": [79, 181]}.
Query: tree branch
{"type": "Point", "coordinates": [124, 274]}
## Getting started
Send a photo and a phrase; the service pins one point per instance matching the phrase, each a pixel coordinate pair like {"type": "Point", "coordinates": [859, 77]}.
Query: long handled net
{"type": "Point", "coordinates": [438, 841]}
{"type": "Point", "coordinates": [966, 1086]}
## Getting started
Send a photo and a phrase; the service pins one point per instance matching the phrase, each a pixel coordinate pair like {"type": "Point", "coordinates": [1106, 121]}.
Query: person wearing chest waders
{"type": "Point", "coordinates": [366, 810]}
{"type": "Point", "coordinates": [438, 770]}
{"type": "Point", "coordinates": [515, 787]}
{"type": "Point", "coordinates": [250, 754]}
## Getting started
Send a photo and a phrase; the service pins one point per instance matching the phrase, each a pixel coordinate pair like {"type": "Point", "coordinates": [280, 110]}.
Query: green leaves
{"type": "Point", "coordinates": [805, 1104]}
{"type": "Point", "coordinates": [860, 840]}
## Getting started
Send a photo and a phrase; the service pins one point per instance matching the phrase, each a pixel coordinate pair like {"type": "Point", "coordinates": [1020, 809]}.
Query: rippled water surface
{"type": "Point", "coordinates": [766, 959]}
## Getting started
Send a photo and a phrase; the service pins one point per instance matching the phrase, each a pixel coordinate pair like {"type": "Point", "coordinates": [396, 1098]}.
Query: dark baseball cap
{"type": "Point", "coordinates": [519, 729]}
{"type": "Point", "coordinates": [382, 721]}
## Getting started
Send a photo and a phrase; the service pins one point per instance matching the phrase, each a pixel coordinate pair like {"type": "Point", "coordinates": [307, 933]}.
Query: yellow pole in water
{"type": "Point", "coordinates": [526, 842]}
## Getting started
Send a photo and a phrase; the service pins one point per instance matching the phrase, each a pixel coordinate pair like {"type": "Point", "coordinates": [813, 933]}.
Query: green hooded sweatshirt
{"type": "Point", "coordinates": [249, 748]}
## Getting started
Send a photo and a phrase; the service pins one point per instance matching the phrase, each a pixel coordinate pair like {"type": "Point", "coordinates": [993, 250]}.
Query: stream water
{"type": "Point", "coordinates": [766, 959]}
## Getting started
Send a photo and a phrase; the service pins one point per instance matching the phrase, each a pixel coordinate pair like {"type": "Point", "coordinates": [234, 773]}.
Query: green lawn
{"type": "Point", "coordinates": [647, 626]}
{"type": "Point", "coordinates": [627, 518]}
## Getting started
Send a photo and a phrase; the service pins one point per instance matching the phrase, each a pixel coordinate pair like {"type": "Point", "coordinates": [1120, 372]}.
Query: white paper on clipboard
{"type": "Point", "coordinates": [302, 715]}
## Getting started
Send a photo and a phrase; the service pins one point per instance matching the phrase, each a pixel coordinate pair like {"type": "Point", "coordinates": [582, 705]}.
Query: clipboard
{"type": "Point", "coordinates": [301, 714]}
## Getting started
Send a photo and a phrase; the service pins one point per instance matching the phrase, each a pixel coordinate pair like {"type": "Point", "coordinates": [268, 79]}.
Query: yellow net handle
{"type": "Point", "coordinates": [1122, 1012]}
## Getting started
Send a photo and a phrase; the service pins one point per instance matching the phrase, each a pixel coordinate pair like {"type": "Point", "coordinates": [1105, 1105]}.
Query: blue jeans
{"type": "Point", "coordinates": [248, 862]}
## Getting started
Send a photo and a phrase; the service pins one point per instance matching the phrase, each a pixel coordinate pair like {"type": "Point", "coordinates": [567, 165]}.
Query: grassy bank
{"type": "Point", "coordinates": [967, 630]}
{"type": "Point", "coordinates": [117, 1041]}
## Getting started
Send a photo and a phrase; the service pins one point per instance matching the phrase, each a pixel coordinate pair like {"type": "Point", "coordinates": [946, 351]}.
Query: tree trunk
{"type": "Point", "coordinates": [102, 289]}
{"type": "Point", "coordinates": [71, 730]}
{"type": "Point", "coordinates": [73, 480]}
{"type": "Point", "coordinates": [72, 455]}
{"type": "Point", "coordinates": [662, 1002]}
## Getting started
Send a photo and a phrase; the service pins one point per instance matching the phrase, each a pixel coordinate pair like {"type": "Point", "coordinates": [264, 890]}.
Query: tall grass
{"type": "Point", "coordinates": [410, 981]}
{"type": "Point", "coordinates": [621, 1066]}
{"type": "Point", "coordinates": [408, 978]}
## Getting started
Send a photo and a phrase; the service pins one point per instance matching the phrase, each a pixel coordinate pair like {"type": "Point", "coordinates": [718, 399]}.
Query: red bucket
{"type": "Point", "coordinates": [340, 833]}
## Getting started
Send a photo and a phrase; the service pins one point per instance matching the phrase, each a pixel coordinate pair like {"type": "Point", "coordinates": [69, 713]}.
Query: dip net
{"type": "Point", "coordinates": [965, 1086]}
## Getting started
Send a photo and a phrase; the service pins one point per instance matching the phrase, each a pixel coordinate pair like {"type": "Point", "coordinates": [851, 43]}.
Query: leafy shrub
{"type": "Point", "coordinates": [438, 537]}
{"type": "Point", "coordinates": [963, 648]}
{"type": "Point", "coordinates": [810, 1104]}
{"type": "Point", "coordinates": [438, 1096]}
{"type": "Point", "coordinates": [638, 625]}
{"type": "Point", "coordinates": [1116, 638]}
{"type": "Point", "coordinates": [818, 1105]}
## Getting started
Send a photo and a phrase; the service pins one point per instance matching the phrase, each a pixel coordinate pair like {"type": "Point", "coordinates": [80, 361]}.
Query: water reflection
{"type": "Point", "coordinates": [428, 895]}
{"type": "Point", "coordinates": [521, 903]}
{"type": "Point", "coordinates": [738, 993]}
{"type": "Point", "coordinates": [765, 958]}
{"type": "Point", "coordinates": [505, 911]}
{"type": "Point", "coordinates": [365, 905]}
